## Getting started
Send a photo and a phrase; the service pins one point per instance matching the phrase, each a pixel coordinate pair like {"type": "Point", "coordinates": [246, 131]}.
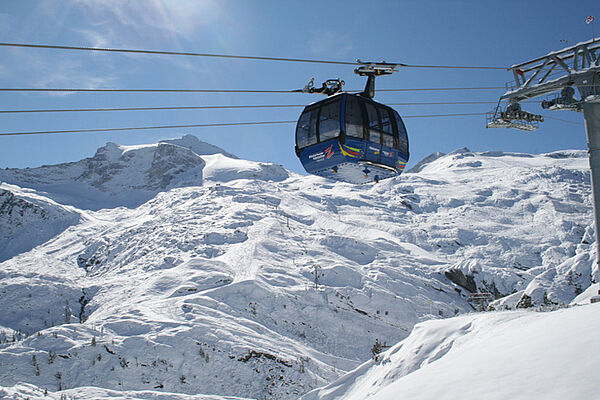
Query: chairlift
{"type": "Point", "coordinates": [513, 117]}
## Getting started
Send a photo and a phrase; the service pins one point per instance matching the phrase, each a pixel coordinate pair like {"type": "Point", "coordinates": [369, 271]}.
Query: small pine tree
{"type": "Point", "coordinates": [58, 376]}
{"type": "Point", "coordinates": [94, 341]}
{"type": "Point", "coordinates": [35, 365]}
{"type": "Point", "coordinates": [67, 314]}
{"type": "Point", "coordinates": [376, 349]}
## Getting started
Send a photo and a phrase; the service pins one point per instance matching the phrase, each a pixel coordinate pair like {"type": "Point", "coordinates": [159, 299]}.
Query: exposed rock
{"type": "Point", "coordinates": [525, 302]}
{"type": "Point", "coordinates": [457, 277]}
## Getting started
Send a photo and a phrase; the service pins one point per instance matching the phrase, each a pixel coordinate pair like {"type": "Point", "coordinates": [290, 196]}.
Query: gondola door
{"type": "Point", "coordinates": [373, 150]}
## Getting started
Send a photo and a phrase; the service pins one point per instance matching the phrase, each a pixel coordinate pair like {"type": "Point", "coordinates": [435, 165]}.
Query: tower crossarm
{"type": "Point", "coordinates": [573, 66]}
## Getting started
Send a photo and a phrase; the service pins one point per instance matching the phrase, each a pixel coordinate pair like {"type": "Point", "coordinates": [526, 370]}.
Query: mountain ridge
{"type": "Point", "coordinates": [129, 176]}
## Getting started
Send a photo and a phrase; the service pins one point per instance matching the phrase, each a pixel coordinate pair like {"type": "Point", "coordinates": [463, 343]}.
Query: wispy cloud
{"type": "Point", "coordinates": [40, 71]}
{"type": "Point", "coordinates": [69, 73]}
{"type": "Point", "coordinates": [147, 24]}
{"type": "Point", "coordinates": [122, 22]}
{"type": "Point", "coordinates": [329, 44]}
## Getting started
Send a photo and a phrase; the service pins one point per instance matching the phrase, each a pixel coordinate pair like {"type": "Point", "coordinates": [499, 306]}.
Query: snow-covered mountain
{"type": "Point", "coordinates": [236, 278]}
{"type": "Point", "coordinates": [131, 175]}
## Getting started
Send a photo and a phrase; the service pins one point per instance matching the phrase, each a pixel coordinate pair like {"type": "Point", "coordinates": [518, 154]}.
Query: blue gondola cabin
{"type": "Point", "coordinates": [351, 138]}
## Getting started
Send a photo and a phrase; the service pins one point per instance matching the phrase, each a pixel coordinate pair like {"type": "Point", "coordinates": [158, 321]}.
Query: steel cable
{"type": "Point", "coordinates": [230, 56]}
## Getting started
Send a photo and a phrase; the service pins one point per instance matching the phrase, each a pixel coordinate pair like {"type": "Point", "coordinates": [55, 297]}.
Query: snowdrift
{"type": "Point", "coordinates": [504, 355]}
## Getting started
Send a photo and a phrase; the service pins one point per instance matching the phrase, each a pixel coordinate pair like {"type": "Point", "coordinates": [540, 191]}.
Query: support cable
{"type": "Point", "coordinates": [231, 56]}
{"type": "Point", "coordinates": [151, 108]}
{"type": "Point", "coordinates": [144, 90]}
{"type": "Point", "coordinates": [110, 90]}
{"type": "Point", "coordinates": [216, 125]}
{"type": "Point", "coordinates": [564, 120]}
{"type": "Point", "coordinates": [441, 115]}
{"type": "Point", "coordinates": [439, 89]}
{"type": "Point", "coordinates": [138, 128]}
{"type": "Point", "coordinates": [225, 107]}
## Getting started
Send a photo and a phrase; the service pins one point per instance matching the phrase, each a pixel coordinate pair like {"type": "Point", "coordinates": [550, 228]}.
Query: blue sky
{"type": "Point", "coordinates": [412, 32]}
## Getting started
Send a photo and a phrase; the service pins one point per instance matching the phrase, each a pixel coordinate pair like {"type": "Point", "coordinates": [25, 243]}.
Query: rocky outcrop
{"type": "Point", "coordinates": [28, 220]}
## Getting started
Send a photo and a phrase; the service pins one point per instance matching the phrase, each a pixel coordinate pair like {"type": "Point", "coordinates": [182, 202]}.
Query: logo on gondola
{"type": "Point", "coordinates": [375, 150]}
{"type": "Point", "coordinates": [401, 165]}
{"type": "Point", "coordinates": [349, 151]}
{"type": "Point", "coordinates": [322, 155]}
{"type": "Point", "coordinates": [328, 152]}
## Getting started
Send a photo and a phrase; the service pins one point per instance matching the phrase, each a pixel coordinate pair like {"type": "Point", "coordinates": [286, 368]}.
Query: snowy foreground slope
{"type": "Point", "coordinates": [179, 268]}
{"type": "Point", "coordinates": [503, 355]}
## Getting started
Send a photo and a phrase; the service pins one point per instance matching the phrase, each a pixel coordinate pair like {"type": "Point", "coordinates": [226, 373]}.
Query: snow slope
{"type": "Point", "coordinates": [28, 220]}
{"type": "Point", "coordinates": [504, 355]}
{"type": "Point", "coordinates": [30, 392]}
{"type": "Point", "coordinates": [258, 283]}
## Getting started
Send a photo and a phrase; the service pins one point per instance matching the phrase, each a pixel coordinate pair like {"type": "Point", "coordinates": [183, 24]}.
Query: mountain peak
{"type": "Point", "coordinates": [462, 150]}
{"type": "Point", "coordinates": [198, 146]}
{"type": "Point", "coordinates": [110, 152]}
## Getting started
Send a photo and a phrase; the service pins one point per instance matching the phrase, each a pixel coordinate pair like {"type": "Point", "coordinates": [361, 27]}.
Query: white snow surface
{"type": "Point", "coordinates": [28, 220]}
{"type": "Point", "coordinates": [26, 391]}
{"type": "Point", "coordinates": [502, 355]}
{"type": "Point", "coordinates": [192, 271]}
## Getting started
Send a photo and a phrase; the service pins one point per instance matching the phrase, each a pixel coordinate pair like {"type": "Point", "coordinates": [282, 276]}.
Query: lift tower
{"type": "Point", "coordinates": [560, 71]}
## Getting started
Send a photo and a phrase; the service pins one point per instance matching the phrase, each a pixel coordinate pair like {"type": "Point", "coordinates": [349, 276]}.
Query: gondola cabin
{"type": "Point", "coordinates": [351, 138]}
